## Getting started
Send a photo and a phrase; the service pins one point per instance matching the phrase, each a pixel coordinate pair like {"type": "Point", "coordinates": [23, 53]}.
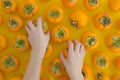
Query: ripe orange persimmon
{"type": "Point", "coordinates": [54, 14]}
{"type": "Point", "coordinates": [3, 42]}
{"type": "Point", "coordinates": [1, 76]}
{"type": "Point", "coordinates": [118, 24]}
{"type": "Point", "coordinates": [116, 77]}
{"type": "Point", "coordinates": [9, 63]}
{"type": "Point", "coordinates": [117, 63]}
{"type": "Point", "coordinates": [60, 33]}
{"type": "Point", "coordinates": [114, 5]}
{"type": "Point", "coordinates": [70, 3]}
{"type": "Point", "coordinates": [64, 78]}
{"type": "Point", "coordinates": [86, 71]}
{"type": "Point", "coordinates": [100, 60]}
{"type": "Point", "coordinates": [20, 42]}
{"type": "Point", "coordinates": [16, 78]}
{"type": "Point", "coordinates": [90, 40]}
{"type": "Point", "coordinates": [101, 76]}
{"type": "Point", "coordinates": [113, 42]}
{"type": "Point", "coordinates": [78, 18]}
{"type": "Point", "coordinates": [43, 79]}
{"type": "Point", "coordinates": [48, 51]}
{"type": "Point", "coordinates": [92, 4]}
{"type": "Point", "coordinates": [9, 5]}
{"type": "Point", "coordinates": [15, 23]}
{"type": "Point", "coordinates": [103, 21]}
{"type": "Point", "coordinates": [56, 67]}
{"type": "Point", "coordinates": [0, 19]}
{"type": "Point", "coordinates": [28, 8]}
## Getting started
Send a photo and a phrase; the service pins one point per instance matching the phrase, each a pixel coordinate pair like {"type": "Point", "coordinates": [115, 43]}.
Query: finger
{"type": "Point", "coordinates": [31, 26]}
{"type": "Point", "coordinates": [63, 58]}
{"type": "Point", "coordinates": [48, 35]}
{"type": "Point", "coordinates": [39, 24]}
{"type": "Point", "coordinates": [28, 30]}
{"type": "Point", "coordinates": [70, 48]}
{"type": "Point", "coordinates": [82, 49]}
{"type": "Point", "coordinates": [77, 46]}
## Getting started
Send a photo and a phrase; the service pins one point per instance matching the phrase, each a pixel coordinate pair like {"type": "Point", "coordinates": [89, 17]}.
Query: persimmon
{"type": "Point", "coordinates": [15, 23]}
{"type": "Point", "coordinates": [103, 21]}
{"type": "Point", "coordinates": [16, 78]}
{"type": "Point", "coordinates": [100, 60]}
{"type": "Point", "coordinates": [48, 51]}
{"type": "Point", "coordinates": [56, 67]}
{"type": "Point", "coordinates": [114, 5]}
{"type": "Point", "coordinates": [90, 40]}
{"type": "Point", "coordinates": [3, 42]}
{"type": "Point", "coordinates": [116, 62]}
{"type": "Point", "coordinates": [1, 76]}
{"type": "Point", "coordinates": [78, 18]}
{"type": "Point", "coordinates": [9, 63]}
{"type": "Point", "coordinates": [113, 42]}
{"type": "Point", "coordinates": [0, 19]}
{"type": "Point", "coordinates": [43, 79]}
{"type": "Point", "coordinates": [118, 24]}
{"type": "Point", "coordinates": [60, 33]}
{"type": "Point", "coordinates": [101, 76]}
{"type": "Point", "coordinates": [64, 78]}
{"type": "Point", "coordinates": [9, 6]}
{"type": "Point", "coordinates": [92, 4]}
{"type": "Point", "coordinates": [116, 77]}
{"type": "Point", "coordinates": [86, 71]}
{"type": "Point", "coordinates": [20, 42]}
{"type": "Point", "coordinates": [69, 3]}
{"type": "Point", "coordinates": [54, 14]}
{"type": "Point", "coordinates": [28, 8]}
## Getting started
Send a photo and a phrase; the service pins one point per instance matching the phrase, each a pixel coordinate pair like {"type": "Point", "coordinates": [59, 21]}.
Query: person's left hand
{"type": "Point", "coordinates": [38, 40]}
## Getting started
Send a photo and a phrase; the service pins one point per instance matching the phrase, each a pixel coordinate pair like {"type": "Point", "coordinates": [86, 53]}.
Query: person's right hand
{"type": "Point", "coordinates": [74, 61]}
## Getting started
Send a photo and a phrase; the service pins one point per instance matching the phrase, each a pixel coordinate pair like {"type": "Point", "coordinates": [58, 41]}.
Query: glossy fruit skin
{"type": "Point", "coordinates": [26, 42]}
{"type": "Point", "coordinates": [18, 26]}
{"type": "Point", "coordinates": [29, 14]}
{"type": "Point", "coordinates": [9, 69]}
{"type": "Point", "coordinates": [86, 72]}
{"type": "Point", "coordinates": [78, 18]}
{"type": "Point", "coordinates": [90, 34]}
{"type": "Point", "coordinates": [109, 42]}
{"type": "Point", "coordinates": [99, 25]}
{"type": "Point", "coordinates": [101, 65]}
{"type": "Point", "coordinates": [90, 6]}
{"type": "Point", "coordinates": [1, 20]}
{"type": "Point", "coordinates": [43, 79]}
{"type": "Point", "coordinates": [114, 5]}
{"type": "Point", "coordinates": [64, 78]}
{"type": "Point", "coordinates": [116, 62]}
{"type": "Point", "coordinates": [1, 76]}
{"type": "Point", "coordinates": [16, 78]}
{"type": "Point", "coordinates": [116, 77]}
{"type": "Point", "coordinates": [69, 3]}
{"type": "Point", "coordinates": [54, 14]}
{"type": "Point", "coordinates": [56, 60]}
{"type": "Point", "coordinates": [103, 76]}
{"type": "Point", "coordinates": [55, 32]}
{"type": "Point", "coordinates": [10, 9]}
{"type": "Point", "coordinates": [3, 42]}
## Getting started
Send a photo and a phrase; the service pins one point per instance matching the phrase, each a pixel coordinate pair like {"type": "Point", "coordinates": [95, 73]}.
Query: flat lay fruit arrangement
{"type": "Point", "coordinates": [95, 23]}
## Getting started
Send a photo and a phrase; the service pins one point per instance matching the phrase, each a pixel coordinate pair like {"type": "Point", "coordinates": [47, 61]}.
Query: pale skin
{"type": "Point", "coordinates": [39, 42]}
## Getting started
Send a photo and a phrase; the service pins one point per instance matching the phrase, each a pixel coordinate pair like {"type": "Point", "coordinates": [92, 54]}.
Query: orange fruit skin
{"type": "Point", "coordinates": [16, 78]}
{"type": "Point", "coordinates": [52, 19]}
{"type": "Point", "coordinates": [64, 78]}
{"type": "Point", "coordinates": [118, 24]}
{"type": "Point", "coordinates": [98, 25]}
{"type": "Point", "coordinates": [0, 19]}
{"type": "Point", "coordinates": [117, 63]}
{"type": "Point", "coordinates": [1, 76]}
{"type": "Point", "coordinates": [10, 69]}
{"type": "Point", "coordinates": [43, 79]}
{"type": "Point", "coordinates": [116, 77]}
{"type": "Point", "coordinates": [69, 3]}
{"type": "Point", "coordinates": [104, 77]}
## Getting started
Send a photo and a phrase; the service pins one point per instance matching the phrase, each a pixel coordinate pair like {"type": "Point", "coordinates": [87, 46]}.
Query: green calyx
{"type": "Point", "coordinates": [29, 8]}
{"type": "Point", "coordinates": [74, 23]}
{"type": "Point", "coordinates": [93, 2]}
{"type": "Point", "coordinates": [99, 76]}
{"type": "Point", "coordinates": [20, 43]}
{"type": "Point", "coordinates": [105, 20]}
{"type": "Point", "coordinates": [44, 25]}
{"type": "Point", "coordinates": [13, 23]}
{"type": "Point", "coordinates": [101, 61]}
{"type": "Point", "coordinates": [7, 3]}
{"type": "Point", "coordinates": [84, 74]}
{"type": "Point", "coordinates": [90, 41]}
{"type": "Point", "coordinates": [54, 13]}
{"type": "Point", "coordinates": [60, 33]}
{"type": "Point", "coordinates": [56, 68]}
{"type": "Point", "coordinates": [9, 62]}
{"type": "Point", "coordinates": [116, 42]}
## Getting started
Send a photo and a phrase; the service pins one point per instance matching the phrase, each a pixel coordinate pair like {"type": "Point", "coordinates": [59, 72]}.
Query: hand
{"type": "Point", "coordinates": [38, 40]}
{"type": "Point", "coordinates": [74, 61]}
